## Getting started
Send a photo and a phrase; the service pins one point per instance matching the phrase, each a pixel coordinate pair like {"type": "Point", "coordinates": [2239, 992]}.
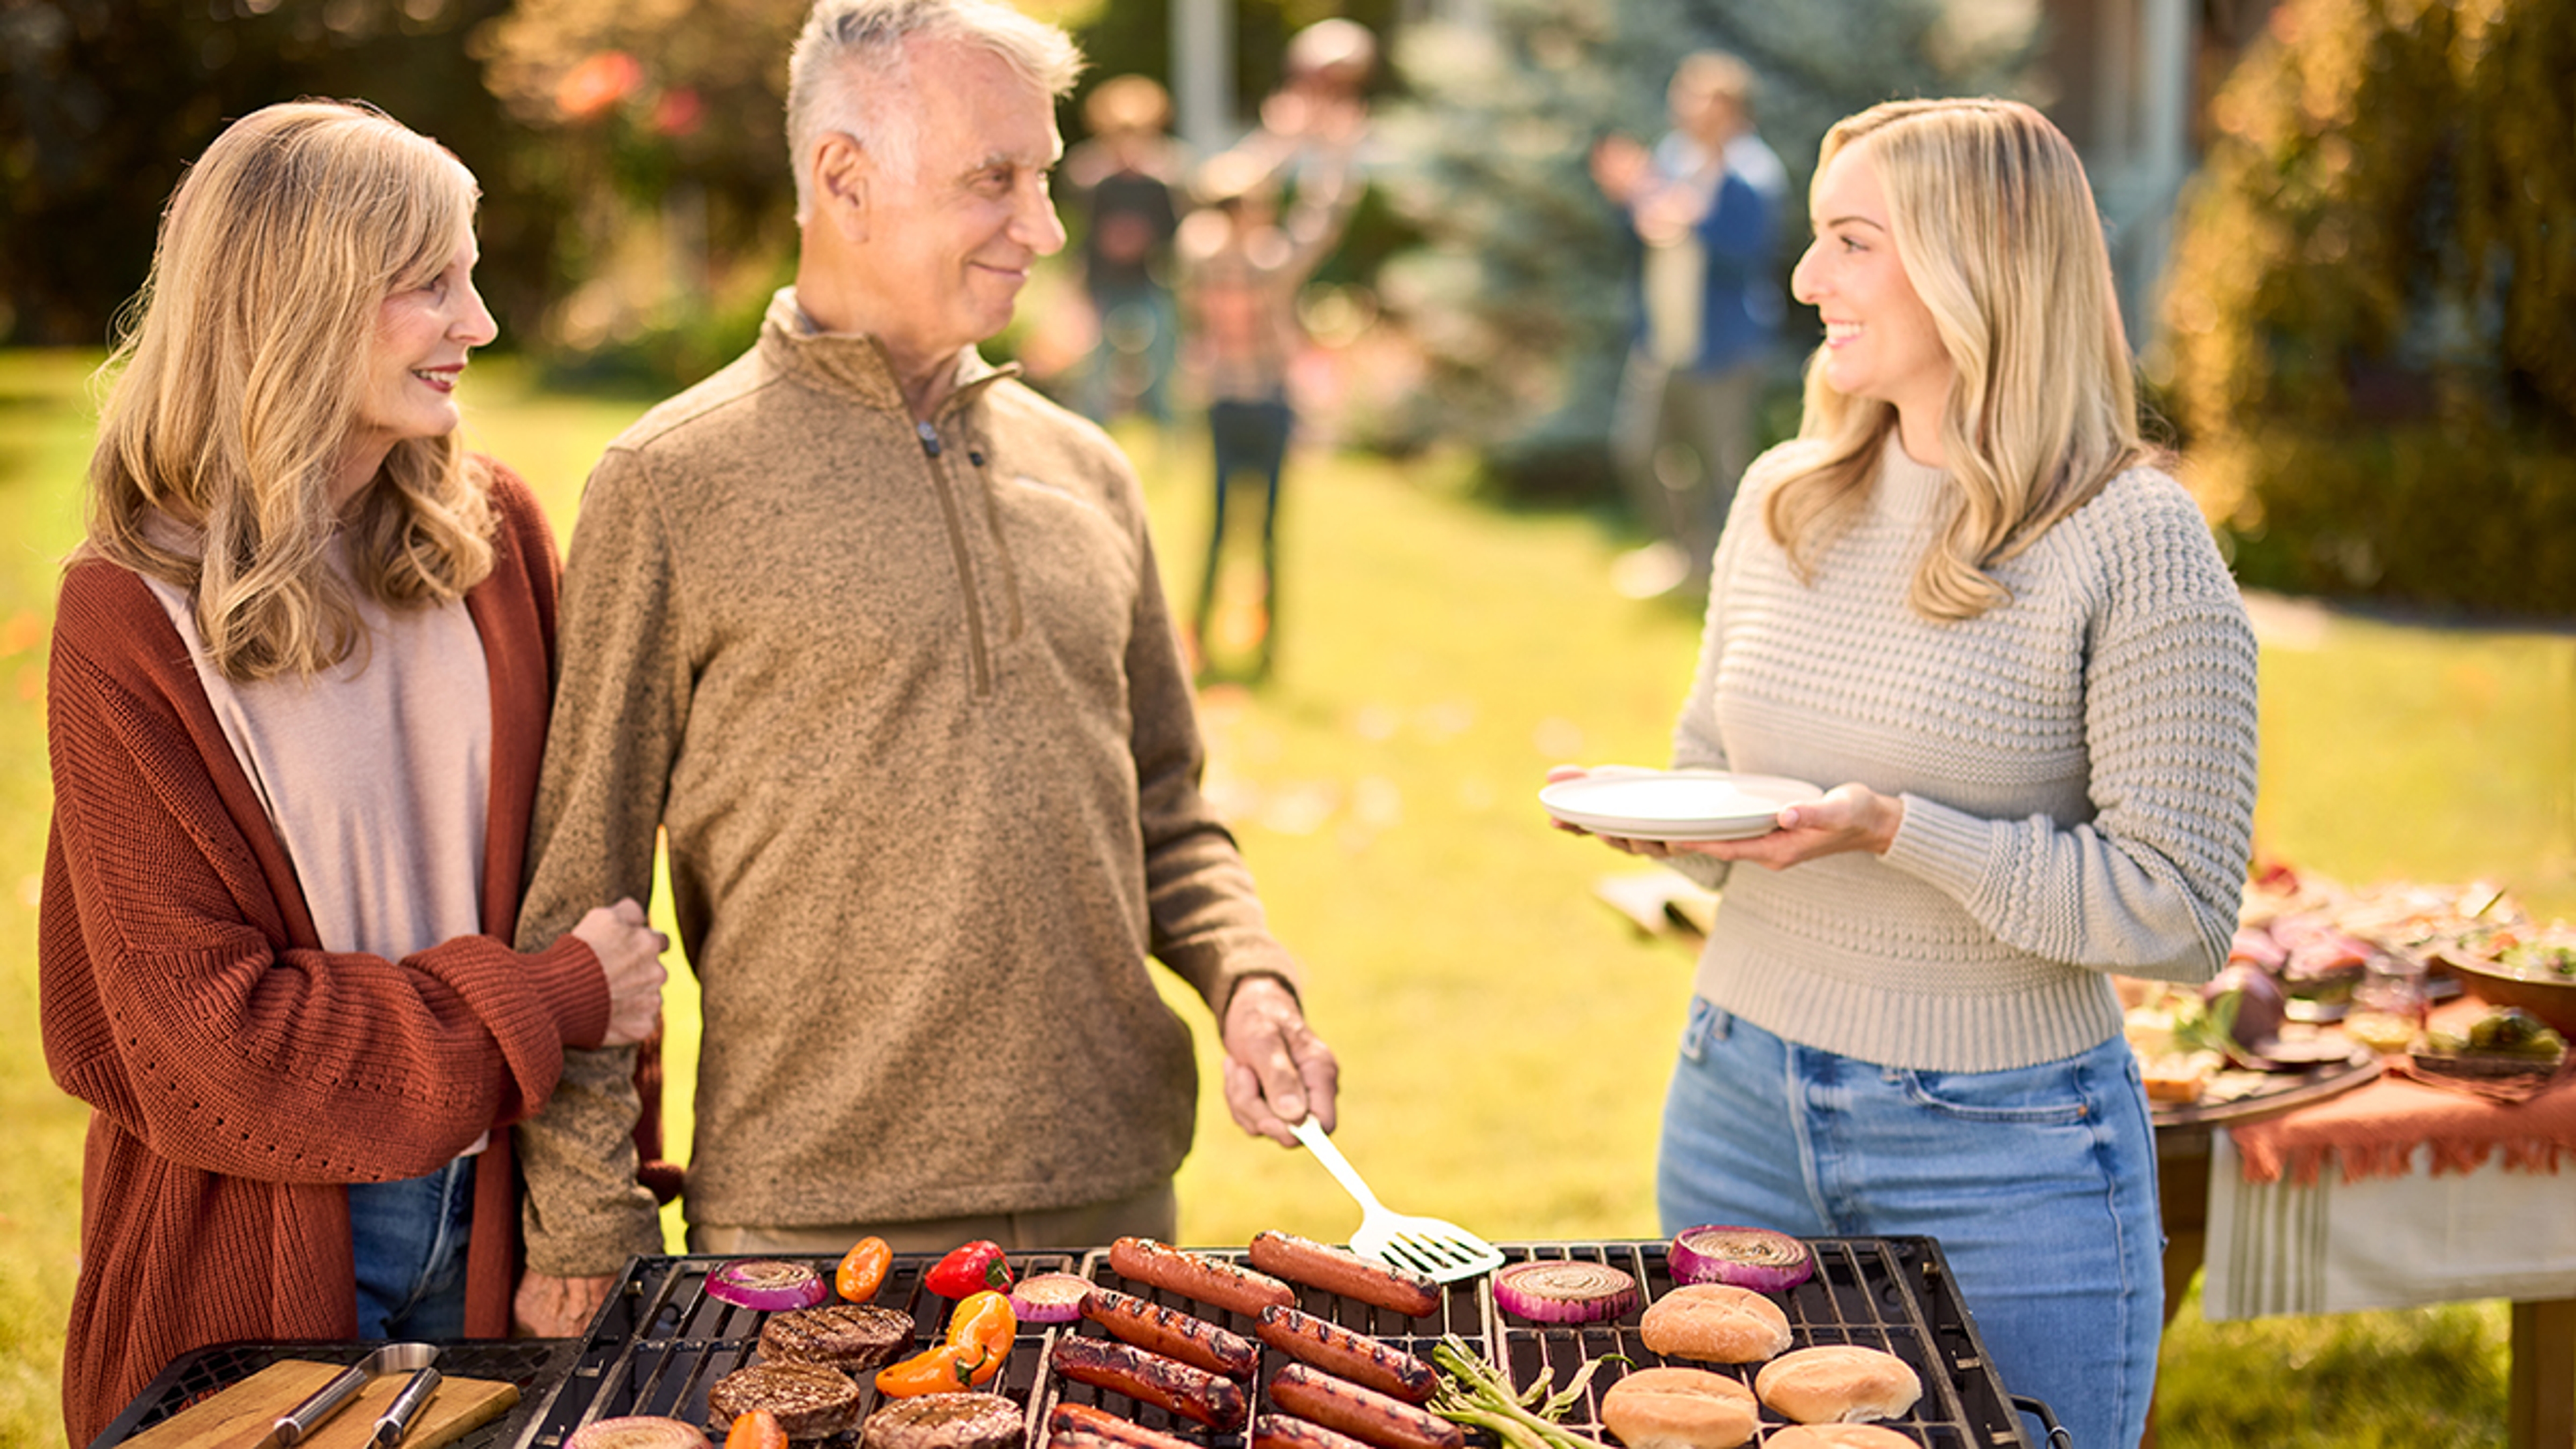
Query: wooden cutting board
{"type": "Point", "coordinates": [236, 1417]}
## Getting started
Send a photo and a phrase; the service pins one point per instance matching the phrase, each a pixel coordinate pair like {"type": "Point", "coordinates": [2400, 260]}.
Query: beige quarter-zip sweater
{"type": "Point", "coordinates": [908, 702]}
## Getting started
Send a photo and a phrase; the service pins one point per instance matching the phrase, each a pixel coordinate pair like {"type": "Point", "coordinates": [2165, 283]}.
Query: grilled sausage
{"type": "Point", "coordinates": [1195, 1275]}
{"type": "Point", "coordinates": [1364, 1414]}
{"type": "Point", "coordinates": [1278, 1431]}
{"type": "Point", "coordinates": [1150, 1378]}
{"type": "Point", "coordinates": [1081, 1426]}
{"type": "Point", "coordinates": [1171, 1333]}
{"type": "Point", "coordinates": [1339, 1270]}
{"type": "Point", "coordinates": [1344, 1354]}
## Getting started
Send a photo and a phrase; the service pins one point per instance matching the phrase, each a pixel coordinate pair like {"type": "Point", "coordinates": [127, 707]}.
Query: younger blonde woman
{"type": "Point", "coordinates": [1968, 601]}
{"type": "Point", "coordinates": [298, 694]}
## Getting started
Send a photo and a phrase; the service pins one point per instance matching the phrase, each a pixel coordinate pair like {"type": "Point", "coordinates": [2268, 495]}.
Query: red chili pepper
{"type": "Point", "coordinates": [977, 1266]}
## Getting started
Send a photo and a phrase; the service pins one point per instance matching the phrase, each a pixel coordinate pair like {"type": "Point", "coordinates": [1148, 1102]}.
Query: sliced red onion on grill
{"type": "Point", "coordinates": [637, 1431]}
{"type": "Point", "coordinates": [767, 1284]}
{"type": "Point", "coordinates": [1755, 1258]}
{"type": "Point", "coordinates": [1552, 1290]}
{"type": "Point", "coordinates": [1048, 1298]}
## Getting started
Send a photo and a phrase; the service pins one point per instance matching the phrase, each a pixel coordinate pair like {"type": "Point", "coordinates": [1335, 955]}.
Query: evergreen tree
{"type": "Point", "coordinates": [2371, 317]}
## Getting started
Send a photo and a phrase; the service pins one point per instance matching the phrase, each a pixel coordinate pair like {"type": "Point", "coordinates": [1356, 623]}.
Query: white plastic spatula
{"type": "Point", "coordinates": [1440, 1251]}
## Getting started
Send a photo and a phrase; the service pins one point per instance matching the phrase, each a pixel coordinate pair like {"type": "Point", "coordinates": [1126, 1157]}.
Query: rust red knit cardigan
{"type": "Point", "coordinates": [238, 1074]}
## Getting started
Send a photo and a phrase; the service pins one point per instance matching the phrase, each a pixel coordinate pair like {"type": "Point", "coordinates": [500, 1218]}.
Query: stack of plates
{"type": "Point", "coordinates": [1674, 804]}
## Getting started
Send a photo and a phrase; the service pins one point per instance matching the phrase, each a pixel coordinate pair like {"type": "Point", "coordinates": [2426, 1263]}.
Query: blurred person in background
{"type": "Point", "coordinates": [1704, 205]}
{"type": "Point", "coordinates": [1243, 261]}
{"type": "Point", "coordinates": [297, 701]}
{"type": "Point", "coordinates": [872, 633]}
{"type": "Point", "coordinates": [1126, 184]}
{"type": "Point", "coordinates": [1971, 601]}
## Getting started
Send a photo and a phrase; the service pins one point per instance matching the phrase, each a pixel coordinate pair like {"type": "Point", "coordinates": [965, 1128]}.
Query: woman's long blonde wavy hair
{"type": "Point", "coordinates": [1995, 226]}
{"type": "Point", "coordinates": [238, 376]}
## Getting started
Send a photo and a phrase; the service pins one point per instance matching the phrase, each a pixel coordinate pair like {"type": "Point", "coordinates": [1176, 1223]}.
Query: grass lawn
{"type": "Point", "coordinates": [1503, 1034]}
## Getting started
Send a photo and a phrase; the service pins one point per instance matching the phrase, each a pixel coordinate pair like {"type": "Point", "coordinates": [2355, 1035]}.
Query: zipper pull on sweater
{"type": "Point", "coordinates": [929, 438]}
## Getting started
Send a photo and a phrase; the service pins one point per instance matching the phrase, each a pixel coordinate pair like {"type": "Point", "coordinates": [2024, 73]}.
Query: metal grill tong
{"type": "Point", "coordinates": [297, 1424]}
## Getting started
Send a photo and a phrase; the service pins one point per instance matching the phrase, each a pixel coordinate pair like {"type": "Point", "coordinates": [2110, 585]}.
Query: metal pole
{"type": "Point", "coordinates": [1203, 73]}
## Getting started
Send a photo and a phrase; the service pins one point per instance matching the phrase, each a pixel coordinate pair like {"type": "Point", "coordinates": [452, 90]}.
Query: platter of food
{"type": "Point", "coordinates": [2326, 987]}
{"type": "Point", "coordinates": [1674, 805]}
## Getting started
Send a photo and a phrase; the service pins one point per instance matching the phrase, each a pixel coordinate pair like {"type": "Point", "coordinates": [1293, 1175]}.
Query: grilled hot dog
{"type": "Point", "coordinates": [1344, 1354]}
{"type": "Point", "coordinates": [1150, 1378]}
{"type": "Point", "coordinates": [1278, 1431]}
{"type": "Point", "coordinates": [1364, 1414]}
{"type": "Point", "coordinates": [1195, 1275]}
{"type": "Point", "coordinates": [1339, 1270]}
{"type": "Point", "coordinates": [1082, 1426]}
{"type": "Point", "coordinates": [1171, 1333]}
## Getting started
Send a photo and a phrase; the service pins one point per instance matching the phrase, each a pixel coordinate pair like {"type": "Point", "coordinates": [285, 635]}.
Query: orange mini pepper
{"type": "Point", "coordinates": [980, 1331]}
{"type": "Point", "coordinates": [756, 1429]}
{"type": "Point", "coordinates": [984, 1319]}
{"type": "Point", "coordinates": [949, 1368]}
{"type": "Point", "coordinates": [863, 1270]}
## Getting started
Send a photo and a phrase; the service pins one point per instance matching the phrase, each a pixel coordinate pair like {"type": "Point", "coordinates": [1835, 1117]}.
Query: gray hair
{"type": "Point", "coordinates": [851, 61]}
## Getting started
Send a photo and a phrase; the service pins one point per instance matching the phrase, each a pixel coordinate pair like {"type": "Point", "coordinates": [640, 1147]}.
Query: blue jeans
{"type": "Point", "coordinates": [2039, 1184]}
{"type": "Point", "coordinates": [1249, 436]}
{"type": "Point", "coordinates": [410, 1239]}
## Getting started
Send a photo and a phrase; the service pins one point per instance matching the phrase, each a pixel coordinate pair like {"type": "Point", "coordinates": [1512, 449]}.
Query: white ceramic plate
{"type": "Point", "coordinates": [1674, 804]}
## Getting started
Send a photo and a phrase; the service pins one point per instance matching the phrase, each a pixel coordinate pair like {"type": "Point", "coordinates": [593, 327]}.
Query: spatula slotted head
{"type": "Point", "coordinates": [1440, 1251]}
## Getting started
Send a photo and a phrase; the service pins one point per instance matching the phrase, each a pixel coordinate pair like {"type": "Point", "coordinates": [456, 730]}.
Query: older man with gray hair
{"type": "Point", "coordinates": [872, 634]}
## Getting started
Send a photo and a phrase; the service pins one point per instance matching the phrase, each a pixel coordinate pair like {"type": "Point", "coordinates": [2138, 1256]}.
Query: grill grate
{"type": "Point", "coordinates": [661, 1341]}
{"type": "Point", "coordinates": [1890, 1294]}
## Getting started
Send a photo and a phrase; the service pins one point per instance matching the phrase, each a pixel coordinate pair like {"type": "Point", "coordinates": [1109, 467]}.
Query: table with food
{"type": "Point", "coordinates": [2372, 1107]}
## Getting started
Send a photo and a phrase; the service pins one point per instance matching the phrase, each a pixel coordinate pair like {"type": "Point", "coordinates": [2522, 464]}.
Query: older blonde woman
{"type": "Point", "coordinates": [1967, 600]}
{"type": "Point", "coordinates": [298, 695]}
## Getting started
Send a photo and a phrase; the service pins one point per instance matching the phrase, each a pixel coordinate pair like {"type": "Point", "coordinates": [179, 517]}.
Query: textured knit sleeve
{"type": "Point", "coordinates": [620, 702]}
{"type": "Point", "coordinates": [172, 996]}
{"type": "Point", "coordinates": [1207, 921]}
{"type": "Point", "coordinates": [2150, 886]}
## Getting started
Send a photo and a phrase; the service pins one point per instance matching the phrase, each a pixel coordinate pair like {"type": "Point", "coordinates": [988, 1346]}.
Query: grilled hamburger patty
{"type": "Point", "coordinates": [856, 1338]}
{"type": "Point", "coordinates": [945, 1421]}
{"type": "Point", "coordinates": [810, 1399]}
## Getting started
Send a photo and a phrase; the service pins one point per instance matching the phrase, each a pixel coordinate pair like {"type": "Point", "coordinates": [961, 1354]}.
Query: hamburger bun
{"type": "Point", "coordinates": [1680, 1408]}
{"type": "Point", "coordinates": [1715, 1323]}
{"type": "Point", "coordinates": [1838, 1383]}
{"type": "Point", "coordinates": [1839, 1436]}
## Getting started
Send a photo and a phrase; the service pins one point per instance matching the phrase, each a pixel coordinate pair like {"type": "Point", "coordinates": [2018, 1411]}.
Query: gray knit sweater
{"type": "Point", "coordinates": [2077, 768]}
{"type": "Point", "coordinates": [913, 716]}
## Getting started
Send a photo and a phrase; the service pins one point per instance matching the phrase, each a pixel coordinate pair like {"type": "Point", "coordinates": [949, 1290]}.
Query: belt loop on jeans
{"type": "Point", "coordinates": [1708, 1022]}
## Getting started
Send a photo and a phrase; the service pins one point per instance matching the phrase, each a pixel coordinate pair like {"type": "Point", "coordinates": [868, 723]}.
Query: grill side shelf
{"type": "Point", "coordinates": [531, 1364]}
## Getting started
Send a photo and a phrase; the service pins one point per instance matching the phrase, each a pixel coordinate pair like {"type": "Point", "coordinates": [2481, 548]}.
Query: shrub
{"type": "Point", "coordinates": [2368, 337]}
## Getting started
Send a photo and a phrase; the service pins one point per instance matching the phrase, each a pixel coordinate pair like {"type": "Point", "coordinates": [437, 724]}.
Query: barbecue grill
{"type": "Point", "coordinates": [661, 1340]}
